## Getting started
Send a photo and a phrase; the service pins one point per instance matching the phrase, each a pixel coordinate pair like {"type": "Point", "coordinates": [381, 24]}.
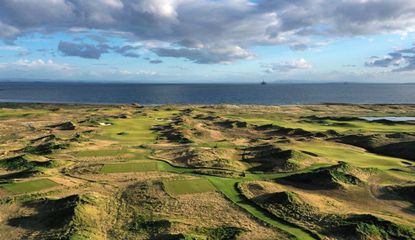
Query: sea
{"type": "Point", "coordinates": [154, 94]}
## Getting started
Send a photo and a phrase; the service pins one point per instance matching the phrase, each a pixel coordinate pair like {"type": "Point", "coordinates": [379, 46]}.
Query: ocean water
{"type": "Point", "coordinates": [270, 94]}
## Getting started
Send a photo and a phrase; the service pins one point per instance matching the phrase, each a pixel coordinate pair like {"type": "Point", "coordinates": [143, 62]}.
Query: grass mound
{"type": "Point", "coordinates": [65, 126]}
{"type": "Point", "coordinates": [172, 133]}
{"type": "Point", "coordinates": [227, 123]}
{"type": "Point", "coordinates": [283, 204]}
{"type": "Point", "coordinates": [21, 163]}
{"type": "Point", "coordinates": [6, 178]}
{"type": "Point", "coordinates": [204, 157]}
{"type": "Point", "coordinates": [333, 177]}
{"type": "Point", "coordinates": [290, 207]}
{"type": "Point", "coordinates": [399, 145]}
{"type": "Point", "coordinates": [400, 150]}
{"type": "Point", "coordinates": [366, 226]}
{"type": "Point", "coordinates": [45, 148]}
{"type": "Point", "coordinates": [406, 193]}
{"type": "Point", "coordinates": [74, 217]}
{"type": "Point", "coordinates": [271, 158]}
{"type": "Point", "coordinates": [51, 217]}
{"type": "Point", "coordinates": [46, 138]}
{"type": "Point", "coordinates": [274, 130]}
{"type": "Point", "coordinates": [90, 218]}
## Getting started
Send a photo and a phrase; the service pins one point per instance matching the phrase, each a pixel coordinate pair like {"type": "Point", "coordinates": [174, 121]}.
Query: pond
{"type": "Point", "coordinates": [393, 119]}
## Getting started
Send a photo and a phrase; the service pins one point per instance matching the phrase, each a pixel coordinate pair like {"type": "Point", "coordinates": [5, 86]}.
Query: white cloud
{"type": "Point", "coordinates": [299, 64]}
{"type": "Point", "coordinates": [401, 59]}
{"type": "Point", "coordinates": [230, 24]}
{"type": "Point", "coordinates": [35, 65]}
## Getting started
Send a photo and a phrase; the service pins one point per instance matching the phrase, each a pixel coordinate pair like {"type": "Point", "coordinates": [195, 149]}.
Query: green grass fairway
{"type": "Point", "coordinates": [135, 131]}
{"type": "Point", "coordinates": [339, 126]}
{"type": "Point", "coordinates": [352, 155]}
{"type": "Point", "coordinates": [130, 167]}
{"type": "Point", "coordinates": [227, 187]}
{"type": "Point", "coordinates": [188, 186]}
{"type": "Point", "coordinates": [30, 186]}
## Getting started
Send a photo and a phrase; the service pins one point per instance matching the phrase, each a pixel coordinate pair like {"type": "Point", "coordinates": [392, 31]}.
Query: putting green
{"type": "Point", "coordinates": [134, 131]}
{"type": "Point", "coordinates": [29, 186]}
{"type": "Point", "coordinates": [188, 186]}
{"type": "Point", "coordinates": [130, 167]}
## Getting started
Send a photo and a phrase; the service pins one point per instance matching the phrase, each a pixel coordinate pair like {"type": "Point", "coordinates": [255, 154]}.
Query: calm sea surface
{"type": "Point", "coordinates": [207, 93]}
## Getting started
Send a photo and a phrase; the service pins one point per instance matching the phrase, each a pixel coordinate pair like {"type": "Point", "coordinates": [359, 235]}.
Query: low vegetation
{"type": "Point", "coordinates": [206, 172]}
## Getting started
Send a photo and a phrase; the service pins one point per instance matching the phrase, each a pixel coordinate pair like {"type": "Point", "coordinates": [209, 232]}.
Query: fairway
{"type": "Point", "coordinates": [130, 167]}
{"type": "Point", "coordinates": [227, 187]}
{"type": "Point", "coordinates": [29, 186]}
{"type": "Point", "coordinates": [352, 155]}
{"type": "Point", "coordinates": [135, 131]}
{"type": "Point", "coordinates": [188, 186]}
{"type": "Point", "coordinates": [339, 126]}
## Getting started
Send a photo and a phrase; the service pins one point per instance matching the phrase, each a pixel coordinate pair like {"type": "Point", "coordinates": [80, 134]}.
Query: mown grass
{"type": "Point", "coordinates": [339, 126]}
{"type": "Point", "coordinates": [29, 186]}
{"type": "Point", "coordinates": [143, 166]}
{"type": "Point", "coordinates": [134, 131]}
{"type": "Point", "coordinates": [187, 186]}
{"type": "Point", "coordinates": [352, 155]}
{"type": "Point", "coordinates": [227, 187]}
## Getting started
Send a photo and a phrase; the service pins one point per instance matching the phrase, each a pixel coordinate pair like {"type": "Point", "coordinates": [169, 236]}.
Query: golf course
{"type": "Point", "coordinates": [206, 172]}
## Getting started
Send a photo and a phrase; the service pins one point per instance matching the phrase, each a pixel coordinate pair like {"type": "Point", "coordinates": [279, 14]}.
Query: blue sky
{"type": "Point", "coordinates": [208, 40]}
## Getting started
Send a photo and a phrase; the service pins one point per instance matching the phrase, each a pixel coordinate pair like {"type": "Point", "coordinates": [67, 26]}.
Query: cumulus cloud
{"type": "Point", "coordinates": [403, 60]}
{"type": "Point", "coordinates": [299, 64]}
{"type": "Point", "coordinates": [85, 50]}
{"type": "Point", "coordinates": [25, 65]}
{"type": "Point", "coordinates": [208, 55]}
{"type": "Point", "coordinates": [127, 51]}
{"type": "Point", "coordinates": [156, 61]}
{"type": "Point", "coordinates": [82, 50]}
{"type": "Point", "coordinates": [198, 26]}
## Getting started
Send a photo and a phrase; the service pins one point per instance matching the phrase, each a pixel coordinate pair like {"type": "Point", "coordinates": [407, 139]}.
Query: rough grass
{"type": "Point", "coordinates": [228, 188]}
{"type": "Point", "coordinates": [187, 186]}
{"type": "Point", "coordinates": [29, 186]}
{"type": "Point", "coordinates": [101, 153]}
{"type": "Point", "coordinates": [130, 167]}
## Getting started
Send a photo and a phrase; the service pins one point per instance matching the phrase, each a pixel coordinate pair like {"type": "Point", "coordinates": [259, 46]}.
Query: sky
{"type": "Point", "coordinates": [208, 40]}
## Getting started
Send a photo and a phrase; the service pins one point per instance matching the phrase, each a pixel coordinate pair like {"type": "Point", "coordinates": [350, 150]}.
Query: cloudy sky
{"type": "Point", "coordinates": [208, 40]}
